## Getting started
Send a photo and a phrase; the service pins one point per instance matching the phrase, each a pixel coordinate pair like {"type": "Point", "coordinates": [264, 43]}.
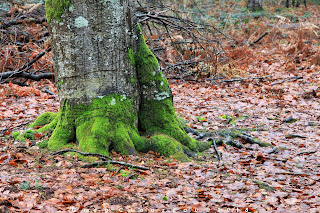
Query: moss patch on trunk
{"type": "Point", "coordinates": [55, 9]}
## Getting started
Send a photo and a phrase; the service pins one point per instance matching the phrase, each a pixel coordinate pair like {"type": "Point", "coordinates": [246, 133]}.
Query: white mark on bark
{"type": "Point", "coordinates": [80, 22]}
{"type": "Point", "coordinates": [162, 95]}
{"type": "Point", "coordinates": [113, 101]}
{"type": "Point", "coordinates": [71, 8]}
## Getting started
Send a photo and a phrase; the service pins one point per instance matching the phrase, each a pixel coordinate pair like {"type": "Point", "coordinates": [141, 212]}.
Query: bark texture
{"type": "Point", "coordinates": [255, 5]}
{"type": "Point", "coordinates": [110, 86]}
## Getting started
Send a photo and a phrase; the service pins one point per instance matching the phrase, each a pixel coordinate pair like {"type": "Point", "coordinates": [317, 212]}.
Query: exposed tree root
{"type": "Point", "coordinates": [100, 163]}
{"type": "Point", "coordinates": [229, 137]}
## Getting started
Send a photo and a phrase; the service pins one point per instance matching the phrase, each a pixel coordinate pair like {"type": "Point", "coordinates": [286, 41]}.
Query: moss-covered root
{"type": "Point", "coordinates": [104, 124]}
{"type": "Point", "coordinates": [44, 119]}
{"type": "Point", "coordinates": [165, 121]}
{"type": "Point", "coordinates": [157, 113]}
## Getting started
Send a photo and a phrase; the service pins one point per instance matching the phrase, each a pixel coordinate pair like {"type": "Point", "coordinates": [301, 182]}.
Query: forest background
{"type": "Point", "coordinates": [256, 72]}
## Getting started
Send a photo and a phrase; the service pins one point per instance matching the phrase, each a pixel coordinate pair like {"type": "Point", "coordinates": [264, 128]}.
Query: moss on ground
{"type": "Point", "coordinates": [29, 134]}
{"type": "Point", "coordinates": [15, 135]}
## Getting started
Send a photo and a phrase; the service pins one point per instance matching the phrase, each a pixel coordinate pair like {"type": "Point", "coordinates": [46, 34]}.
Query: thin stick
{"type": "Point", "coordinates": [243, 79]}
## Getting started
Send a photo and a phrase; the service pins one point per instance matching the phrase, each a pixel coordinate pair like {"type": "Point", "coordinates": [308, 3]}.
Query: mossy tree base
{"type": "Point", "coordinates": [108, 124]}
{"type": "Point", "coordinates": [112, 93]}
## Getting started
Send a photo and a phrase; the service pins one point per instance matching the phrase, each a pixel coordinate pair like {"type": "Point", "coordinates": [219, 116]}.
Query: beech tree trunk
{"type": "Point", "coordinates": [255, 5]}
{"type": "Point", "coordinates": [112, 93]}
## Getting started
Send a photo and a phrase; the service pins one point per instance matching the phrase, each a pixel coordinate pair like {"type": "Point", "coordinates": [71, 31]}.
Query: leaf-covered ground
{"type": "Point", "coordinates": [282, 108]}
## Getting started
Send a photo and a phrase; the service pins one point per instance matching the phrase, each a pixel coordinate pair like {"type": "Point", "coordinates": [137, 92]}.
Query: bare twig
{"type": "Point", "coordinates": [26, 66]}
{"type": "Point", "coordinates": [288, 79]}
{"type": "Point", "coordinates": [243, 79]}
{"type": "Point", "coordinates": [292, 173]}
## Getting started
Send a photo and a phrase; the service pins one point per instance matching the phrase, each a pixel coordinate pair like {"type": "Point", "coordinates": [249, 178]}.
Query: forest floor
{"type": "Point", "coordinates": [281, 108]}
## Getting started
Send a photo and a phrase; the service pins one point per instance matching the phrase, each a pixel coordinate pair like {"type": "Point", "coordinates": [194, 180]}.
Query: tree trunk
{"type": "Point", "coordinates": [110, 86]}
{"type": "Point", "coordinates": [255, 5]}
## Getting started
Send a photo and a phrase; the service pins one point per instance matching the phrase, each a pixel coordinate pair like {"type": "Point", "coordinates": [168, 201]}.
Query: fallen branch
{"type": "Point", "coordinates": [35, 77]}
{"type": "Point", "coordinates": [275, 150]}
{"type": "Point", "coordinates": [22, 21]}
{"type": "Point", "coordinates": [288, 79]}
{"type": "Point", "coordinates": [243, 79]}
{"type": "Point", "coordinates": [309, 152]}
{"type": "Point", "coordinates": [49, 92]}
{"type": "Point", "coordinates": [295, 136]}
{"type": "Point", "coordinates": [27, 66]}
{"type": "Point", "coordinates": [258, 39]}
{"type": "Point", "coordinates": [292, 173]}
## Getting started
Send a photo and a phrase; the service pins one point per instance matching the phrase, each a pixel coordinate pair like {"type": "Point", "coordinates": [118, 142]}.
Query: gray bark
{"type": "Point", "coordinates": [90, 50]}
{"type": "Point", "coordinates": [255, 5]}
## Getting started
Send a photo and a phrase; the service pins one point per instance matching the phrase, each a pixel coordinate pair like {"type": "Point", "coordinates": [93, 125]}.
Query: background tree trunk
{"type": "Point", "coordinates": [109, 82]}
{"type": "Point", "coordinates": [255, 5]}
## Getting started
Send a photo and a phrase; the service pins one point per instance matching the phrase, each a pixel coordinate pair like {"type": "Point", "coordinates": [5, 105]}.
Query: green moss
{"type": "Point", "coordinates": [29, 134]}
{"type": "Point", "coordinates": [125, 173]}
{"type": "Point", "coordinates": [264, 186]}
{"type": "Point", "coordinates": [167, 146]}
{"type": "Point", "coordinates": [55, 9]}
{"type": "Point", "coordinates": [108, 123]}
{"type": "Point", "coordinates": [132, 80]}
{"type": "Point", "coordinates": [160, 108]}
{"type": "Point", "coordinates": [89, 159]}
{"type": "Point", "coordinates": [60, 82]}
{"type": "Point", "coordinates": [131, 57]}
{"type": "Point", "coordinates": [15, 135]}
{"type": "Point", "coordinates": [50, 126]}
{"type": "Point", "coordinates": [44, 119]}
{"type": "Point", "coordinates": [43, 144]}
{"type": "Point", "coordinates": [94, 127]}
